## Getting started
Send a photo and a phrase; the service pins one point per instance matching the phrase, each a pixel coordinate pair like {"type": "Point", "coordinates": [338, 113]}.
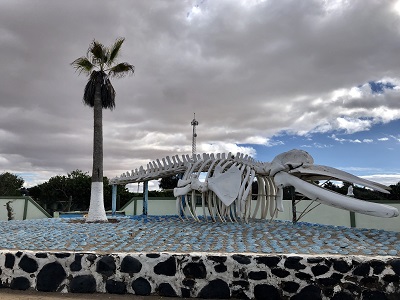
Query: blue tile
{"type": "Point", "coordinates": [169, 233]}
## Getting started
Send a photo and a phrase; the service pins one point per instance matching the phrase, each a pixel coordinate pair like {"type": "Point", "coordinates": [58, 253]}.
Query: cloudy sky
{"type": "Point", "coordinates": [263, 77]}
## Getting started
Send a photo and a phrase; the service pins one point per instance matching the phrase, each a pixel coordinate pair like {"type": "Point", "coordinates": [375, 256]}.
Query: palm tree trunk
{"type": "Point", "coordinates": [97, 211]}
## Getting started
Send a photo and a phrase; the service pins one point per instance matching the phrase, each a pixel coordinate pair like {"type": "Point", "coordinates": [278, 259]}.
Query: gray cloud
{"type": "Point", "coordinates": [249, 72]}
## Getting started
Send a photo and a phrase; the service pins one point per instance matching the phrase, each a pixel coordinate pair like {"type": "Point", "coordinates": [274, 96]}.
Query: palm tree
{"type": "Point", "coordinates": [100, 65]}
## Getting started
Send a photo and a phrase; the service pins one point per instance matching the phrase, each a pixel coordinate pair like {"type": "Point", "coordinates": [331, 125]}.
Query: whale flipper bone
{"type": "Point", "coordinates": [226, 185]}
{"type": "Point", "coordinates": [334, 199]}
{"type": "Point", "coordinates": [197, 185]}
{"type": "Point", "coordinates": [181, 191]}
{"type": "Point", "coordinates": [183, 182]}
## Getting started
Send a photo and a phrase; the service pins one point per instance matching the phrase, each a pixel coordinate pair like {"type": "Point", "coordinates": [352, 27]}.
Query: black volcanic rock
{"type": "Point", "coordinates": [167, 267]}
{"type": "Point", "coordinates": [50, 277]}
{"type": "Point", "coordinates": [130, 265]}
{"type": "Point", "coordinates": [141, 287]}
{"type": "Point", "coordinates": [83, 284]}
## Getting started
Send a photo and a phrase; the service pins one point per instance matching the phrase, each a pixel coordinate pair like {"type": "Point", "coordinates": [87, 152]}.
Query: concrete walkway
{"type": "Point", "coordinates": [8, 294]}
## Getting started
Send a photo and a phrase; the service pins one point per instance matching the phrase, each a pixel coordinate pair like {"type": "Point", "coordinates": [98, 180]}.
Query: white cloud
{"type": "Point", "coordinates": [225, 148]}
{"type": "Point", "coordinates": [352, 125]}
{"type": "Point", "coordinates": [250, 70]}
{"type": "Point", "coordinates": [256, 140]}
{"type": "Point", "coordinates": [321, 146]}
{"type": "Point", "coordinates": [355, 141]}
{"type": "Point", "coordinates": [386, 179]}
{"type": "Point", "coordinates": [395, 138]}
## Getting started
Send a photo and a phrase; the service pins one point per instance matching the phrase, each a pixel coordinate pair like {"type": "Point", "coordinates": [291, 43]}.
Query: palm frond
{"type": "Point", "coordinates": [97, 57]}
{"type": "Point", "coordinates": [114, 50]}
{"type": "Point", "coordinates": [82, 64]}
{"type": "Point", "coordinates": [88, 95]}
{"type": "Point", "coordinates": [107, 94]}
{"type": "Point", "coordinates": [121, 70]}
{"type": "Point", "coordinates": [96, 77]}
{"type": "Point", "coordinates": [98, 52]}
{"type": "Point", "coordinates": [107, 90]}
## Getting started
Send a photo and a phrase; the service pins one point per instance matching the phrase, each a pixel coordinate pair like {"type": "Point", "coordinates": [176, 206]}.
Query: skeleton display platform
{"type": "Point", "coordinates": [226, 188]}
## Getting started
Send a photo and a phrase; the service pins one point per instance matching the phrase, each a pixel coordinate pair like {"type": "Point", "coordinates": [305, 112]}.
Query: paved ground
{"type": "Point", "coordinates": [170, 234]}
{"type": "Point", "coordinates": [8, 294]}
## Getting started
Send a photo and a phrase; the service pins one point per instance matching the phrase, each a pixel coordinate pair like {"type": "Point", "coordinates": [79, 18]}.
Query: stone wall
{"type": "Point", "coordinates": [204, 275]}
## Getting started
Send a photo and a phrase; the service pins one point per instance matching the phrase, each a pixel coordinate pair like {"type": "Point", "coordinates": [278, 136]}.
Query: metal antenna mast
{"type": "Point", "coordinates": [194, 124]}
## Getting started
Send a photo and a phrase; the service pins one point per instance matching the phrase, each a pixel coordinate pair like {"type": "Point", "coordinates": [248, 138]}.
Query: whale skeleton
{"type": "Point", "coordinates": [226, 184]}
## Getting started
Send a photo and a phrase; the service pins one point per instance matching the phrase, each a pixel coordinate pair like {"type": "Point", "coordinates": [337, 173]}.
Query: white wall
{"type": "Point", "coordinates": [322, 214]}
{"type": "Point", "coordinates": [155, 207]}
{"type": "Point", "coordinates": [392, 224]}
{"type": "Point", "coordinates": [33, 210]}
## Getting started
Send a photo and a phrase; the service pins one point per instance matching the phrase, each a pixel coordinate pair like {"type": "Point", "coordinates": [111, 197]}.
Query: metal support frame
{"type": "Point", "coordinates": [114, 199]}
{"type": "Point", "coordinates": [293, 198]}
{"type": "Point", "coordinates": [145, 197]}
{"type": "Point", "coordinates": [194, 123]}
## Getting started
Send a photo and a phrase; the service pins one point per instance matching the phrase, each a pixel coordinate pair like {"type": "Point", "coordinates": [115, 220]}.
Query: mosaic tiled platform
{"type": "Point", "coordinates": [165, 256]}
{"type": "Point", "coordinates": [170, 234]}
